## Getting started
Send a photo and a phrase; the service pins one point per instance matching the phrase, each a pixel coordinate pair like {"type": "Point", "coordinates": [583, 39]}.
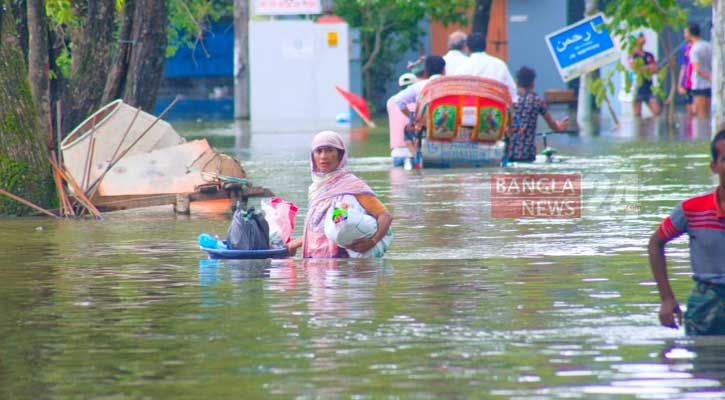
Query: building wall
{"type": "Point", "coordinates": [529, 21]}
{"type": "Point", "coordinates": [411, 54]}
{"type": "Point", "coordinates": [293, 70]}
{"type": "Point", "coordinates": [212, 57]}
{"type": "Point", "coordinates": [496, 38]}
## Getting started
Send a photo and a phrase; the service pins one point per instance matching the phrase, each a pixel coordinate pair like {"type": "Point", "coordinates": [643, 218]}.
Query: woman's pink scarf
{"type": "Point", "coordinates": [323, 191]}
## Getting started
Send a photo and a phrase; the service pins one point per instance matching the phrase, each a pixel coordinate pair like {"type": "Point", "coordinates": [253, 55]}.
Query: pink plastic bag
{"type": "Point", "coordinates": [280, 215]}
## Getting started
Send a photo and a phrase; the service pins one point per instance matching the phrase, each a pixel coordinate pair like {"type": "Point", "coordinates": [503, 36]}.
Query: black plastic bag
{"type": "Point", "coordinates": [248, 231]}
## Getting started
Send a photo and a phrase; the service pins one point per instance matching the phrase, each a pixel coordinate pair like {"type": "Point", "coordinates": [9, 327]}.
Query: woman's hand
{"type": "Point", "coordinates": [362, 245]}
{"type": "Point", "coordinates": [293, 245]}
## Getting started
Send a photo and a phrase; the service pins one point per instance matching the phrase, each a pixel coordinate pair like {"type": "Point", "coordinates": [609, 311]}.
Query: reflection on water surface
{"type": "Point", "coordinates": [463, 306]}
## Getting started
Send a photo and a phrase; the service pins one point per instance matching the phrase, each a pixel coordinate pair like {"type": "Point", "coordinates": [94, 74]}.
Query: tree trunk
{"type": "Point", "coordinates": [117, 76]}
{"type": "Point", "coordinates": [38, 60]}
{"type": "Point", "coordinates": [24, 168]}
{"type": "Point", "coordinates": [666, 43]}
{"type": "Point", "coordinates": [241, 59]}
{"type": "Point", "coordinates": [92, 47]}
{"type": "Point", "coordinates": [146, 66]}
{"type": "Point", "coordinates": [21, 24]}
{"type": "Point", "coordinates": [481, 16]}
{"type": "Point", "coordinates": [718, 65]}
{"type": "Point", "coordinates": [368, 84]}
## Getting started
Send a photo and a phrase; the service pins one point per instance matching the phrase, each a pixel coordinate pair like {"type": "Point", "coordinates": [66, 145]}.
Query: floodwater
{"type": "Point", "coordinates": [463, 306]}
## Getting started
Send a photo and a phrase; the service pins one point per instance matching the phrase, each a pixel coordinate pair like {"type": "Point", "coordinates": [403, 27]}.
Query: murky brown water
{"type": "Point", "coordinates": [464, 306]}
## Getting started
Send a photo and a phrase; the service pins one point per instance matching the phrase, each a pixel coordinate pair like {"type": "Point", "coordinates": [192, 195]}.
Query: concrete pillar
{"type": "Point", "coordinates": [241, 59]}
{"type": "Point", "coordinates": [717, 114]}
{"type": "Point", "coordinates": [584, 101]}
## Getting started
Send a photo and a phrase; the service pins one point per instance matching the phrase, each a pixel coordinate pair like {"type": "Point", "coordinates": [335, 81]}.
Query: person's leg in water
{"type": "Point", "coordinates": [410, 144]}
{"type": "Point", "coordinates": [701, 102]}
{"type": "Point", "coordinates": [645, 95]}
{"type": "Point", "coordinates": [688, 102]}
{"type": "Point", "coordinates": [654, 106]}
{"type": "Point", "coordinates": [637, 107]}
{"type": "Point", "coordinates": [409, 138]}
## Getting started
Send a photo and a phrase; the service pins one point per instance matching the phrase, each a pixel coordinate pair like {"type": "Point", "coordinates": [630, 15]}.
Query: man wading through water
{"type": "Point", "coordinates": [703, 220]}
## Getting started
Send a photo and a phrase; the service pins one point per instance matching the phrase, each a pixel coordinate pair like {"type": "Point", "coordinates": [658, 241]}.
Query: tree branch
{"type": "Point", "coordinates": [378, 43]}
{"type": "Point", "coordinates": [199, 31]}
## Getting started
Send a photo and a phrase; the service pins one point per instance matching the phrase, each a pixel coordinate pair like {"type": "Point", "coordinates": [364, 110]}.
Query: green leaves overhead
{"type": "Point", "coordinates": [627, 17]}
{"type": "Point", "coordinates": [188, 19]}
{"type": "Point", "coordinates": [390, 27]}
{"type": "Point", "coordinates": [60, 12]}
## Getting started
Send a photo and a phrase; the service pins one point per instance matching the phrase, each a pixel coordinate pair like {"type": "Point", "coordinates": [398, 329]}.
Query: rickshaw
{"type": "Point", "coordinates": [461, 121]}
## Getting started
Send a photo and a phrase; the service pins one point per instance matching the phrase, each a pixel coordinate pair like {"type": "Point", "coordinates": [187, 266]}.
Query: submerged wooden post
{"type": "Point", "coordinates": [181, 206]}
{"type": "Point", "coordinates": [238, 200]}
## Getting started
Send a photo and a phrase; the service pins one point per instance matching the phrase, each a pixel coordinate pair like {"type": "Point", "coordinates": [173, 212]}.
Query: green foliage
{"type": "Point", "coordinates": [12, 175]}
{"type": "Point", "coordinates": [63, 60]}
{"type": "Point", "coordinates": [390, 27]}
{"type": "Point", "coordinates": [188, 21]}
{"type": "Point", "coordinates": [627, 17]}
{"type": "Point", "coordinates": [61, 13]}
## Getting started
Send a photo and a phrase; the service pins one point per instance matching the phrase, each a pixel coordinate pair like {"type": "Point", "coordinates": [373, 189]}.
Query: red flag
{"type": "Point", "coordinates": [358, 104]}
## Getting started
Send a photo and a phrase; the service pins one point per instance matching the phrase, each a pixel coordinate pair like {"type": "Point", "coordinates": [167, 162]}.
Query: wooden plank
{"type": "Point", "coordinates": [27, 203]}
{"type": "Point", "coordinates": [78, 193]}
{"type": "Point", "coordinates": [115, 203]}
{"type": "Point", "coordinates": [559, 96]}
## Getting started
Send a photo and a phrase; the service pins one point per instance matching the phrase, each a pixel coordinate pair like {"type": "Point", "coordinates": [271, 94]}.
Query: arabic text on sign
{"type": "Point", "coordinates": [562, 45]}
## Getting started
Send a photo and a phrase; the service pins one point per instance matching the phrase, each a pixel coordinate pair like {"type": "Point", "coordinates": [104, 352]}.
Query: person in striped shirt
{"type": "Point", "coordinates": [703, 220]}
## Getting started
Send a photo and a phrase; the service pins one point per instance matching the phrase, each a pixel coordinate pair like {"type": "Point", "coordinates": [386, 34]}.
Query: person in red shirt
{"type": "Point", "coordinates": [703, 220]}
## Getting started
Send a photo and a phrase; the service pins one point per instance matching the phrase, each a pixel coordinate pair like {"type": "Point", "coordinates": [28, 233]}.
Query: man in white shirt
{"type": "Point", "coordinates": [435, 66]}
{"type": "Point", "coordinates": [701, 61]}
{"type": "Point", "coordinates": [456, 55]}
{"type": "Point", "coordinates": [397, 121]}
{"type": "Point", "coordinates": [486, 66]}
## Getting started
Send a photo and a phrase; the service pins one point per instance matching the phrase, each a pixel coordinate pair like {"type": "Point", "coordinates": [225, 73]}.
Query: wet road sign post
{"type": "Point", "coordinates": [582, 47]}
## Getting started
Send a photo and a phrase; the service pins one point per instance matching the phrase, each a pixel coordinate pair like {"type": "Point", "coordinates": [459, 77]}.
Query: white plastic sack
{"type": "Point", "coordinates": [347, 221]}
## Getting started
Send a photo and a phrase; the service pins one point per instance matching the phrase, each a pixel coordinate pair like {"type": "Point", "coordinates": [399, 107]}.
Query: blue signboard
{"type": "Point", "coordinates": [582, 47]}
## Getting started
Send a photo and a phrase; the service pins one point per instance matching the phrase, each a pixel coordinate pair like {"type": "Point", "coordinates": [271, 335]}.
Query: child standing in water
{"type": "Point", "coordinates": [522, 138]}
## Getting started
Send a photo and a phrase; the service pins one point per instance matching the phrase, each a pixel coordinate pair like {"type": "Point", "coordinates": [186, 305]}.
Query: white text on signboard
{"type": "Point", "coordinates": [287, 7]}
{"type": "Point", "coordinates": [582, 47]}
